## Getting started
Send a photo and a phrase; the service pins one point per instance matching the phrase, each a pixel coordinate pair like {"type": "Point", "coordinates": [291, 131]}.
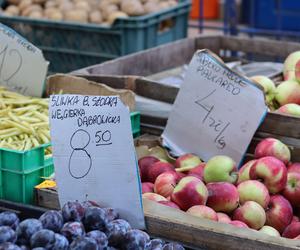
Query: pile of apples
{"type": "Point", "coordinates": [264, 194]}
{"type": "Point", "coordinates": [285, 98]}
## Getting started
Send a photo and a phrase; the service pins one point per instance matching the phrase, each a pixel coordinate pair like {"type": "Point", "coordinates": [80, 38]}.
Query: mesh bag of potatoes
{"type": "Point", "coordinates": [85, 11]}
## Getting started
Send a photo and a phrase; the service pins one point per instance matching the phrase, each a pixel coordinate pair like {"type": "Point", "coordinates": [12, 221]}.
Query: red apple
{"type": "Point", "coordinates": [270, 231]}
{"type": "Point", "coordinates": [252, 214]}
{"type": "Point", "coordinates": [271, 171]}
{"type": "Point", "coordinates": [198, 171]}
{"type": "Point", "coordinates": [203, 212]}
{"type": "Point", "coordinates": [292, 189]}
{"type": "Point", "coordinates": [187, 161]}
{"type": "Point", "coordinates": [280, 213]}
{"type": "Point", "coordinates": [244, 171]}
{"type": "Point", "coordinates": [190, 191]}
{"type": "Point", "coordinates": [297, 238]}
{"type": "Point", "coordinates": [294, 167]}
{"type": "Point", "coordinates": [180, 175]}
{"type": "Point", "coordinates": [290, 109]}
{"type": "Point", "coordinates": [158, 168]}
{"type": "Point", "coordinates": [223, 217]}
{"type": "Point", "coordinates": [165, 183]}
{"type": "Point", "coordinates": [238, 223]}
{"type": "Point", "coordinates": [147, 187]}
{"type": "Point", "coordinates": [288, 92]}
{"type": "Point", "coordinates": [292, 230]}
{"type": "Point", "coordinates": [144, 165]}
{"type": "Point", "coordinates": [169, 204]}
{"type": "Point", "coordinates": [154, 197]}
{"type": "Point", "coordinates": [273, 147]}
{"type": "Point", "coordinates": [253, 190]}
{"type": "Point", "coordinates": [295, 219]}
{"type": "Point", "coordinates": [290, 66]}
{"type": "Point", "coordinates": [222, 196]}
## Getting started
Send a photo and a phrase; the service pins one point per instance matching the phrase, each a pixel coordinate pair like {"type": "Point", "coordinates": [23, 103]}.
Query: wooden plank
{"type": "Point", "coordinates": [47, 198]}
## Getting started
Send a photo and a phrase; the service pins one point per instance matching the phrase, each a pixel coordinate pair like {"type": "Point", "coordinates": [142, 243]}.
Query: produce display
{"type": "Point", "coordinates": [284, 98]}
{"type": "Point", "coordinates": [77, 226]}
{"type": "Point", "coordinates": [24, 122]}
{"type": "Point", "coordinates": [263, 195]}
{"type": "Point", "coordinates": [92, 11]}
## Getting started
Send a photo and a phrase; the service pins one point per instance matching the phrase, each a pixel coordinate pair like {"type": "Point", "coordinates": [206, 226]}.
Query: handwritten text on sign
{"type": "Point", "coordinates": [216, 111]}
{"type": "Point", "coordinates": [93, 152]}
{"type": "Point", "coordinates": [22, 66]}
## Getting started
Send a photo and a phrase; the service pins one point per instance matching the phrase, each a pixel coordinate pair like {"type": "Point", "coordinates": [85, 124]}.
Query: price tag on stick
{"type": "Point", "coordinates": [94, 155]}
{"type": "Point", "coordinates": [216, 111]}
{"type": "Point", "coordinates": [22, 66]}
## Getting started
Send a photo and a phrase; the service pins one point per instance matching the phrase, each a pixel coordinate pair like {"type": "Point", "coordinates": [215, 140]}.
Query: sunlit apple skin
{"type": "Point", "coordinates": [223, 217]}
{"type": "Point", "coordinates": [292, 230]}
{"type": "Point", "coordinates": [280, 213]}
{"type": "Point", "coordinates": [204, 212]}
{"type": "Point", "coordinates": [147, 187]}
{"type": "Point", "coordinates": [289, 66]}
{"type": "Point", "coordinates": [268, 87]}
{"type": "Point", "coordinates": [290, 109]}
{"type": "Point", "coordinates": [288, 92]}
{"type": "Point", "coordinates": [165, 183]}
{"type": "Point", "coordinates": [187, 161]}
{"type": "Point", "coordinates": [252, 214]}
{"type": "Point", "coordinates": [222, 196]}
{"type": "Point", "coordinates": [158, 168]}
{"type": "Point", "coordinates": [253, 190]}
{"type": "Point", "coordinates": [243, 174]}
{"type": "Point", "coordinates": [144, 166]}
{"type": "Point", "coordinates": [190, 191]}
{"type": "Point", "coordinates": [273, 147]}
{"type": "Point", "coordinates": [292, 189]}
{"type": "Point", "coordinates": [238, 223]}
{"type": "Point", "coordinates": [154, 197]}
{"type": "Point", "coordinates": [198, 171]}
{"type": "Point", "coordinates": [270, 231]}
{"type": "Point", "coordinates": [220, 168]}
{"type": "Point", "coordinates": [271, 171]}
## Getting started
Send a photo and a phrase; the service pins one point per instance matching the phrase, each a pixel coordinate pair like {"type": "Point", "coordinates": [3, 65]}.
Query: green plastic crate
{"type": "Point", "coordinates": [70, 46]}
{"type": "Point", "coordinates": [135, 118]}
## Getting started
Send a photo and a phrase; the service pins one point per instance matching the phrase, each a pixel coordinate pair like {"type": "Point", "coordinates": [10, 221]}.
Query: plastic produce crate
{"type": "Point", "coordinates": [69, 46]}
{"type": "Point", "coordinates": [135, 118]}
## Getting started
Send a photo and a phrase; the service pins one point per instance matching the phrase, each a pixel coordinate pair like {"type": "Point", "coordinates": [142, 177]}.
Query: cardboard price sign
{"type": "Point", "coordinates": [22, 66]}
{"type": "Point", "coordinates": [94, 155]}
{"type": "Point", "coordinates": [216, 111]}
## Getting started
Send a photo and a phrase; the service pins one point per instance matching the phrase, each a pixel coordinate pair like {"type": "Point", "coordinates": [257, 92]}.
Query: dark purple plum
{"type": "Point", "coordinates": [100, 237]}
{"type": "Point", "coordinates": [26, 229]}
{"type": "Point", "coordinates": [9, 219]}
{"type": "Point", "coordinates": [38, 248]}
{"type": "Point", "coordinates": [72, 211]}
{"type": "Point", "coordinates": [7, 234]}
{"type": "Point", "coordinates": [173, 246]}
{"type": "Point", "coordinates": [111, 248]}
{"type": "Point", "coordinates": [23, 247]}
{"type": "Point", "coordinates": [72, 230]}
{"type": "Point", "coordinates": [94, 219]}
{"type": "Point", "coordinates": [61, 242]}
{"type": "Point", "coordinates": [135, 239]}
{"type": "Point", "coordinates": [155, 244]}
{"type": "Point", "coordinates": [52, 220]}
{"type": "Point", "coordinates": [84, 243]}
{"type": "Point", "coordinates": [111, 214]}
{"type": "Point", "coordinates": [116, 231]}
{"type": "Point", "coordinates": [87, 204]}
{"type": "Point", "coordinates": [44, 238]}
{"type": "Point", "coordinates": [9, 246]}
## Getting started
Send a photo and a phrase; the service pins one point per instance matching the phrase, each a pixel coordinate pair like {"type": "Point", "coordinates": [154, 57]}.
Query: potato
{"type": "Point", "coordinates": [15, 2]}
{"type": "Point", "coordinates": [24, 4]}
{"type": "Point", "coordinates": [83, 6]}
{"type": "Point", "coordinates": [50, 4]}
{"type": "Point", "coordinates": [95, 17]}
{"type": "Point", "coordinates": [13, 10]}
{"type": "Point", "coordinates": [76, 16]}
{"type": "Point", "coordinates": [109, 10]}
{"type": "Point", "coordinates": [53, 13]}
{"type": "Point", "coordinates": [113, 16]}
{"type": "Point", "coordinates": [39, 1]}
{"type": "Point", "coordinates": [151, 7]}
{"type": "Point", "coordinates": [164, 5]}
{"type": "Point", "coordinates": [103, 4]}
{"type": "Point", "coordinates": [36, 14]}
{"type": "Point", "coordinates": [172, 3]}
{"type": "Point", "coordinates": [66, 6]}
{"type": "Point", "coordinates": [117, 2]}
{"type": "Point", "coordinates": [132, 7]}
{"type": "Point", "coordinates": [31, 8]}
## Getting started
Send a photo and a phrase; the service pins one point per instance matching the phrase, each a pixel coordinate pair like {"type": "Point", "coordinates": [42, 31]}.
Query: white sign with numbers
{"type": "Point", "coordinates": [216, 111]}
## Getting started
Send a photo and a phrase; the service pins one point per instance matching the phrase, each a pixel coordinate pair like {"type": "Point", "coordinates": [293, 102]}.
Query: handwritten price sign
{"type": "Point", "coordinates": [94, 155]}
{"type": "Point", "coordinates": [22, 66]}
{"type": "Point", "coordinates": [216, 111]}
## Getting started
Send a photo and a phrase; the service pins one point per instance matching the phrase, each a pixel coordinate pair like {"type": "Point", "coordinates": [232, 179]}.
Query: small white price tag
{"type": "Point", "coordinates": [22, 66]}
{"type": "Point", "coordinates": [94, 155]}
{"type": "Point", "coordinates": [216, 111]}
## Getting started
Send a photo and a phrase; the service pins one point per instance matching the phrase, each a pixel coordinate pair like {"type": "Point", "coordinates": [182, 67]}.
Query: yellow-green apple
{"type": "Point", "coordinates": [294, 167]}
{"type": "Point", "coordinates": [154, 197]}
{"type": "Point", "coordinates": [270, 231]}
{"type": "Point", "coordinates": [223, 217]}
{"type": "Point", "coordinates": [169, 204]}
{"type": "Point", "coordinates": [290, 109]}
{"type": "Point", "coordinates": [187, 161]}
{"type": "Point", "coordinates": [189, 191]}
{"type": "Point", "coordinates": [158, 168]}
{"type": "Point", "coordinates": [251, 213]}
{"type": "Point", "coordinates": [244, 171]}
{"type": "Point", "coordinates": [222, 196]}
{"type": "Point", "coordinates": [292, 230]}
{"type": "Point", "coordinates": [280, 213]}
{"type": "Point", "coordinates": [147, 187]}
{"type": "Point", "coordinates": [198, 171]}
{"type": "Point", "coordinates": [268, 86]}
{"type": "Point", "coordinates": [288, 92]}
{"type": "Point", "coordinates": [289, 66]}
{"type": "Point", "coordinates": [295, 219]}
{"type": "Point", "coordinates": [292, 189]}
{"type": "Point", "coordinates": [220, 168]}
{"type": "Point", "coordinates": [144, 165]}
{"type": "Point", "coordinates": [253, 190]}
{"type": "Point", "coordinates": [273, 147]}
{"type": "Point", "coordinates": [271, 171]}
{"type": "Point", "coordinates": [238, 223]}
{"type": "Point", "coordinates": [204, 212]}
{"type": "Point", "coordinates": [165, 183]}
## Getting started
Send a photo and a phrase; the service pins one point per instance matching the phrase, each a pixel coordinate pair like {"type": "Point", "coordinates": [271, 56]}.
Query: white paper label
{"type": "Point", "coordinates": [94, 154]}
{"type": "Point", "coordinates": [22, 66]}
{"type": "Point", "coordinates": [216, 111]}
